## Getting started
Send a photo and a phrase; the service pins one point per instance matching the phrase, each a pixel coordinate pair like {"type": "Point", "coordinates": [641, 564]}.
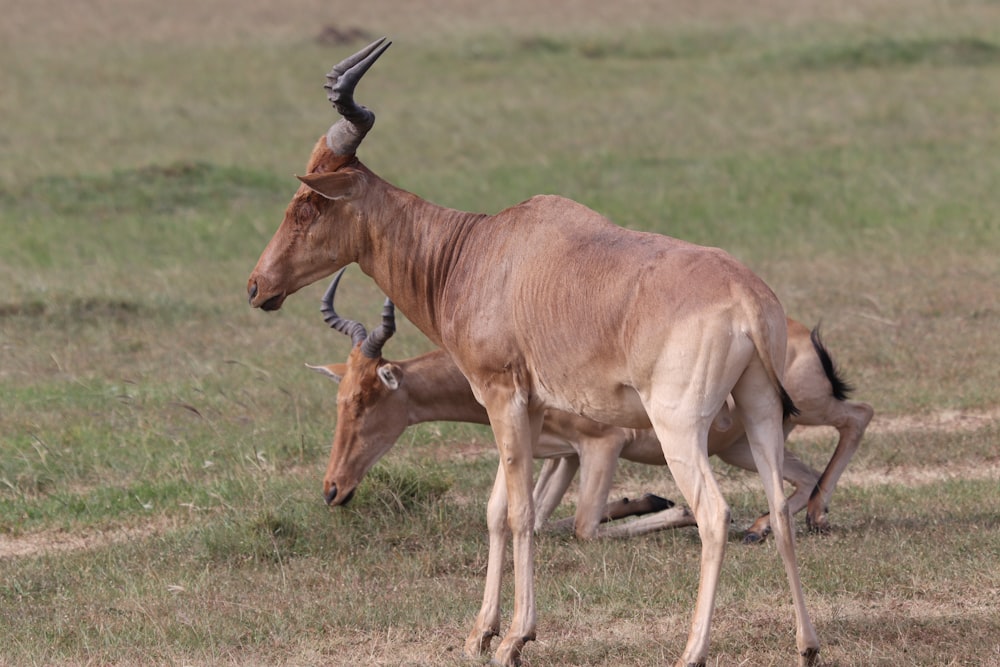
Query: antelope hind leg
{"type": "Point", "coordinates": [649, 503]}
{"type": "Point", "coordinates": [851, 425]}
{"type": "Point", "coordinates": [761, 412]}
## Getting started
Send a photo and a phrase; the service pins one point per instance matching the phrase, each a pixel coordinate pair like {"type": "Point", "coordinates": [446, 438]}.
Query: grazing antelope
{"type": "Point", "coordinates": [382, 398]}
{"type": "Point", "coordinates": [548, 304]}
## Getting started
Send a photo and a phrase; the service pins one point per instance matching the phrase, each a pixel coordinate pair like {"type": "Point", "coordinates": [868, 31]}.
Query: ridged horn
{"type": "Point", "coordinates": [355, 330]}
{"type": "Point", "coordinates": [346, 134]}
{"type": "Point", "coordinates": [372, 347]}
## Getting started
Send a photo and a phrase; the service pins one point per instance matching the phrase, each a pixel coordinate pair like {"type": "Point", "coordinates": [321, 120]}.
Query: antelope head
{"type": "Point", "coordinates": [371, 407]}
{"type": "Point", "coordinates": [319, 233]}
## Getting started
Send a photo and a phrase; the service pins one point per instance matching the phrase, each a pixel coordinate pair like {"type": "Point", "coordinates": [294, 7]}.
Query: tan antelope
{"type": "Point", "coordinates": [378, 399]}
{"type": "Point", "coordinates": [548, 304]}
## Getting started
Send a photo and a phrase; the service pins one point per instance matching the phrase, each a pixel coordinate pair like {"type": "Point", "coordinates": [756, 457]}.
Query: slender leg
{"type": "Point", "coordinates": [596, 478]}
{"type": "Point", "coordinates": [597, 471]}
{"type": "Point", "coordinates": [761, 413]}
{"type": "Point", "coordinates": [851, 424]}
{"type": "Point", "coordinates": [683, 440]}
{"type": "Point", "coordinates": [516, 429]}
{"type": "Point", "coordinates": [794, 471]}
{"type": "Point", "coordinates": [648, 503]}
{"type": "Point", "coordinates": [673, 517]}
{"type": "Point", "coordinates": [487, 623]}
{"type": "Point", "coordinates": [553, 480]}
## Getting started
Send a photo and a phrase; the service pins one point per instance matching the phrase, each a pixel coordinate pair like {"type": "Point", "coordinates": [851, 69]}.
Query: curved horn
{"type": "Point", "coordinates": [355, 330]}
{"type": "Point", "coordinates": [346, 134]}
{"type": "Point", "coordinates": [372, 347]}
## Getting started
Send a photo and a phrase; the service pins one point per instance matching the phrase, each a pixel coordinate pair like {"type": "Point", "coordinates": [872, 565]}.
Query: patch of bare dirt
{"type": "Point", "coordinates": [53, 541]}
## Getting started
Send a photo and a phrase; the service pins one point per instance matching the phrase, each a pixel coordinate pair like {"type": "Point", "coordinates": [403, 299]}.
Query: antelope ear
{"type": "Point", "coordinates": [390, 376]}
{"type": "Point", "coordinates": [332, 185]}
{"type": "Point", "coordinates": [335, 372]}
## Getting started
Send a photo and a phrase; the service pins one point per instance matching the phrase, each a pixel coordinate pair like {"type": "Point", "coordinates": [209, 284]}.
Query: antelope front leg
{"type": "Point", "coordinates": [597, 472]}
{"type": "Point", "coordinates": [487, 625]}
{"type": "Point", "coordinates": [553, 480]}
{"type": "Point", "coordinates": [516, 430]}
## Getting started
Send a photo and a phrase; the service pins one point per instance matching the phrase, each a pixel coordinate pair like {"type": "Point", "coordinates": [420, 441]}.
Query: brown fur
{"type": "Point", "coordinates": [371, 416]}
{"type": "Point", "coordinates": [547, 304]}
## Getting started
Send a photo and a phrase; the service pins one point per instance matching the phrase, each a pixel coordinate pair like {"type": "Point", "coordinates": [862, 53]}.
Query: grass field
{"type": "Point", "coordinates": [162, 446]}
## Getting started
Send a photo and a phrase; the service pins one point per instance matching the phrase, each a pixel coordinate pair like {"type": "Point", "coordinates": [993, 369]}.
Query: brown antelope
{"type": "Point", "coordinates": [378, 399]}
{"type": "Point", "coordinates": [548, 304]}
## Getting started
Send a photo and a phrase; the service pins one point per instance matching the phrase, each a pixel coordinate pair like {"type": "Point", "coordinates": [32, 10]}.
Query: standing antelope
{"type": "Point", "coordinates": [378, 399]}
{"type": "Point", "coordinates": [548, 304]}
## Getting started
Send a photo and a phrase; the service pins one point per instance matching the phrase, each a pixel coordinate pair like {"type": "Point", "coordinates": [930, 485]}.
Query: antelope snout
{"type": "Point", "coordinates": [258, 298]}
{"type": "Point", "coordinates": [330, 495]}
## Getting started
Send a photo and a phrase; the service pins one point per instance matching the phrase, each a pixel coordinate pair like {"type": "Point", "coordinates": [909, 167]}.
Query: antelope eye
{"type": "Point", "coordinates": [305, 213]}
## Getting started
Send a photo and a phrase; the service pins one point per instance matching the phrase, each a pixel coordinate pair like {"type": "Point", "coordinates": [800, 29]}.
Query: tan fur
{"type": "Point", "coordinates": [548, 304]}
{"type": "Point", "coordinates": [371, 417]}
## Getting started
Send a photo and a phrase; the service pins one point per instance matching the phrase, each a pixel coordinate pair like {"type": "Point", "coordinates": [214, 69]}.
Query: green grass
{"type": "Point", "coordinates": [162, 446]}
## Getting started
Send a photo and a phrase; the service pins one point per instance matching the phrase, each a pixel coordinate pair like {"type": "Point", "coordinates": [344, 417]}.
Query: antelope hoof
{"type": "Point", "coordinates": [759, 531]}
{"type": "Point", "coordinates": [820, 524]}
{"type": "Point", "coordinates": [657, 503]}
{"type": "Point", "coordinates": [509, 652]}
{"type": "Point", "coordinates": [478, 642]}
{"type": "Point", "coordinates": [809, 657]}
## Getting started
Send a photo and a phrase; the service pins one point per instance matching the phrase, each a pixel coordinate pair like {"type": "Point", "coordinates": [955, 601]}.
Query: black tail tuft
{"type": "Point", "coordinates": [841, 388]}
{"type": "Point", "coordinates": [788, 408]}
